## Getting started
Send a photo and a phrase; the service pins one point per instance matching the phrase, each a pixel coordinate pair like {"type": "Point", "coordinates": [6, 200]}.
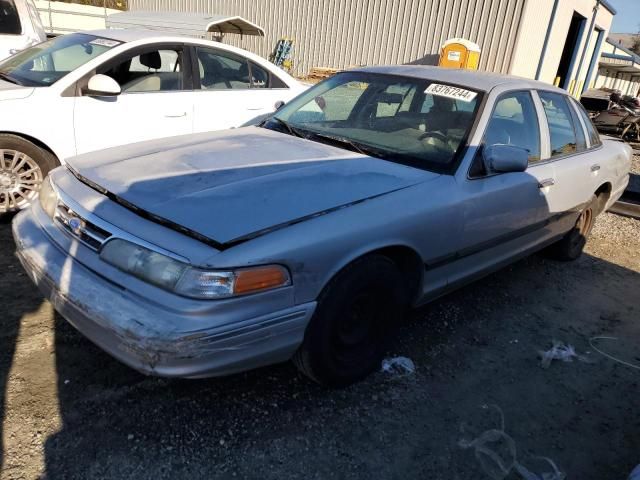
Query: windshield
{"type": "Point", "coordinates": [409, 120]}
{"type": "Point", "coordinates": [46, 63]}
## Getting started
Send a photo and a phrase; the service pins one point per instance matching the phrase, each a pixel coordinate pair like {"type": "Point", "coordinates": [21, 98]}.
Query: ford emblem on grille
{"type": "Point", "coordinates": [76, 225]}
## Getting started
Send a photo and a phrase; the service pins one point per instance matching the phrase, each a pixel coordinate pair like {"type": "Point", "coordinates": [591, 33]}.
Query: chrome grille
{"type": "Point", "coordinates": [82, 229]}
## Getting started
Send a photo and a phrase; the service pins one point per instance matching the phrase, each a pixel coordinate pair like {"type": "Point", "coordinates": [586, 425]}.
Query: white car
{"type": "Point", "coordinates": [20, 26]}
{"type": "Point", "coordinates": [93, 90]}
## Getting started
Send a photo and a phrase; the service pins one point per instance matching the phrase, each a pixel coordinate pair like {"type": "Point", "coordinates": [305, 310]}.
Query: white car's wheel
{"type": "Point", "coordinates": [23, 166]}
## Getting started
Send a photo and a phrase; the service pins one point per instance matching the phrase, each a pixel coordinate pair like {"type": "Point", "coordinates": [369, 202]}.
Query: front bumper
{"type": "Point", "coordinates": [144, 335]}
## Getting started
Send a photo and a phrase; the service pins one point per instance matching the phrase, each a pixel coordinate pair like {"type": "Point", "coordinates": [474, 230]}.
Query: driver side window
{"type": "Point", "coordinates": [514, 122]}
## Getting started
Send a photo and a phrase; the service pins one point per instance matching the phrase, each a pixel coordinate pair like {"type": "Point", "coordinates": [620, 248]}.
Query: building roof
{"type": "Point", "coordinates": [474, 79]}
{"type": "Point", "coordinates": [627, 62]}
{"type": "Point", "coordinates": [608, 6]}
{"type": "Point", "coordinates": [184, 23]}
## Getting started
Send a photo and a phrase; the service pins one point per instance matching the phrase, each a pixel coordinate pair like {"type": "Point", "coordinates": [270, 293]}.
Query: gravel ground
{"type": "Point", "coordinates": [70, 411]}
{"type": "Point", "coordinates": [635, 165]}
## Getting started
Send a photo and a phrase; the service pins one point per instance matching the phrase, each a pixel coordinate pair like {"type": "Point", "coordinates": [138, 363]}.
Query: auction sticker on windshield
{"type": "Point", "coordinates": [451, 92]}
{"type": "Point", "coordinates": [105, 42]}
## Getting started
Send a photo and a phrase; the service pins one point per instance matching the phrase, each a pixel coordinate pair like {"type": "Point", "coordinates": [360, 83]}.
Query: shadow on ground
{"type": "Point", "coordinates": [477, 346]}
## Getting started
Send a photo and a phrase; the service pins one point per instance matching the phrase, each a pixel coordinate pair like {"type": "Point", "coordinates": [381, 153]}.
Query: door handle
{"type": "Point", "coordinates": [176, 115]}
{"type": "Point", "coordinates": [253, 109]}
{"type": "Point", "coordinates": [595, 168]}
{"type": "Point", "coordinates": [547, 182]}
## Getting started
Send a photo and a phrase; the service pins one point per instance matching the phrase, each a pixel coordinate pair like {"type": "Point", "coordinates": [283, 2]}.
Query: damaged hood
{"type": "Point", "coordinates": [235, 184]}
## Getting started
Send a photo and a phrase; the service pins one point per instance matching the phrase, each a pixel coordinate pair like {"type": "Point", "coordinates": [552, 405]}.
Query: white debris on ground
{"type": "Point", "coordinates": [495, 451]}
{"type": "Point", "coordinates": [559, 351]}
{"type": "Point", "coordinates": [399, 366]}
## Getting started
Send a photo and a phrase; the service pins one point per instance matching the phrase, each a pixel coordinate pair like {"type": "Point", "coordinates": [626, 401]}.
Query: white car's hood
{"type": "Point", "coordinates": [11, 91]}
{"type": "Point", "coordinates": [234, 184]}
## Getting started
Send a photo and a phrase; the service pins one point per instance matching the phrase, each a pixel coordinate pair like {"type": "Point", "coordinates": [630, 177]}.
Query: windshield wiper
{"type": "Point", "coordinates": [6, 77]}
{"type": "Point", "coordinates": [357, 146]}
{"type": "Point", "coordinates": [292, 130]}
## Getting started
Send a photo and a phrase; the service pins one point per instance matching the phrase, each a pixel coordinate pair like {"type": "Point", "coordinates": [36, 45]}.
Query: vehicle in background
{"type": "Point", "coordinates": [622, 118]}
{"type": "Point", "coordinates": [20, 26]}
{"type": "Point", "coordinates": [112, 87]}
{"type": "Point", "coordinates": [596, 100]}
{"type": "Point", "coordinates": [309, 236]}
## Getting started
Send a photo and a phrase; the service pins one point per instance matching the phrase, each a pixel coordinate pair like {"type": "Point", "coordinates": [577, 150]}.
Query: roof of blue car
{"type": "Point", "coordinates": [474, 79]}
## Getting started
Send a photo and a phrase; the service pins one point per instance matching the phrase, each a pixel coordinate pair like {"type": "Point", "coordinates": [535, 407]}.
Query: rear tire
{"type": "Point", "coordinates": [570, 247]}
{"type": "Point", "coordinates": [356, 314]}
{"type": "Point", "coordinates": [23, 167]}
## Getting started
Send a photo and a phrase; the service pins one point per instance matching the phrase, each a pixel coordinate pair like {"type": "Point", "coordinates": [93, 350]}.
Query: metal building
{"type": "Point", "coordinates": [552, 40]}
{"type": "Point", "coordinates": [619, 69]}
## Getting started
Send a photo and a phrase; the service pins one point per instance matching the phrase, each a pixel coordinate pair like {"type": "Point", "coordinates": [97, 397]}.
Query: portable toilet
{"type": "Point", "coordinates": [460, 53]}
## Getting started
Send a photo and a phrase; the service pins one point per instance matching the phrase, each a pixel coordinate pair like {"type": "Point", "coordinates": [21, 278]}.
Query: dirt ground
{"type": "Point", "coordinates": [70, 411]}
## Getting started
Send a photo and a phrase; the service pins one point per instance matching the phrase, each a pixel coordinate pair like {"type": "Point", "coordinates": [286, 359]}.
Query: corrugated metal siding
{"type": "Point", "coordinates": [338, 33]}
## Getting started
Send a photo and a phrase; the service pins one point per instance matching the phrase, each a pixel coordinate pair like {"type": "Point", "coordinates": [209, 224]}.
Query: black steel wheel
{"type": "Point", "coordinates": [355, 317]}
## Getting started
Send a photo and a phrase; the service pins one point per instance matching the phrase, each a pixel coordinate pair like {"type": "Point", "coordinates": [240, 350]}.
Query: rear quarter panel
{"type": "Point", "coordinates": [615, 160]}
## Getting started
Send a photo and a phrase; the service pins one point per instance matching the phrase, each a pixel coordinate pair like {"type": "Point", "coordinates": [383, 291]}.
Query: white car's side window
{"type": "Point", "coordinates": [152, 71]}
{"type": "Point", "coordinates": [221, 71]}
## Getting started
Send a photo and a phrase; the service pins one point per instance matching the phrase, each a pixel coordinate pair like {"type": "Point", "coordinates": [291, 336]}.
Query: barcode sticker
{"type": "Point", "coordinates": [451, 92]}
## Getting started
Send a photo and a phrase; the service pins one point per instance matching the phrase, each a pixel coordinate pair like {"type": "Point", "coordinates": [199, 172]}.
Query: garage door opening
{"type": "Point", "coordinates": [570, 50]}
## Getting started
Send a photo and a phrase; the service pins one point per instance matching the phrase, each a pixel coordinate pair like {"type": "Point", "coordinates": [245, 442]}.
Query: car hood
{"type": "Point", "coordinates": [11, 91]}
{"type": "Point", "coordinates": [236, 184]}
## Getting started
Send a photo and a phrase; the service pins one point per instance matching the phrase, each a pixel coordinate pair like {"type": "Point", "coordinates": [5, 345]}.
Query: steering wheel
{"type": "Point", "coordinates": [437, 135]}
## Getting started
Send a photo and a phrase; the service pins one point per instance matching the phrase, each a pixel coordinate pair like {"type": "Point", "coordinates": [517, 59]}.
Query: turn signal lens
{"type": "Point", "coordinates": [48, 197]}
{"type": "Point", "coordinates": [260, 278]}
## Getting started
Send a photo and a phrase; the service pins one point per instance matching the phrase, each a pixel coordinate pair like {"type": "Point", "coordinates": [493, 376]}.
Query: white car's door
{"type": "Point", "coordinates": [232, 91]}
{"type": "Point", "coordinates": [156, 100]}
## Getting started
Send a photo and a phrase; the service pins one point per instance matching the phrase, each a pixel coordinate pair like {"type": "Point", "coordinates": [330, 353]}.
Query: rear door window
{"type": "Point", "coordinates": [561, 128]}
{"type": "Point", "coordinates": [259, 77]}
{"type": "Point", "coordinates": [222, 71]}
{"type": "Point", "coordinates": [9, 18]}
{"type": "Point", "coordinates": [592, 133]}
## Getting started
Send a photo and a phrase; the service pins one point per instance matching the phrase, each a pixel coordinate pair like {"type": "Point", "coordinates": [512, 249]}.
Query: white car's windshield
{"type": "Point", "coordinates": [46, 63]}
{"type": "Point", "coordinates": [410, 120]}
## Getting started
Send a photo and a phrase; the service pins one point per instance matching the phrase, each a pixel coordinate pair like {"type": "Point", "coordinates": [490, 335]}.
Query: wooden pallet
{"type": "Point", "coordinates": [320, 73]}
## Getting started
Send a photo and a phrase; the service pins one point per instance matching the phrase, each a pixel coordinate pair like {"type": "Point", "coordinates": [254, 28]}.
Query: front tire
{"type": "Point", "coordinates": [23, 166]}
{"type": "Point", "coordinates": [348, 334]}
{"type": "Point", "coordinates": [571, 246]}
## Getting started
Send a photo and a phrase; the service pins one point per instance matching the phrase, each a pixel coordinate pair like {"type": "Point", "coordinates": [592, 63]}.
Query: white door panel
{"type": "Point", "coordinates": [221, 109]}
{"type": "Point", "coordinates": [103, 122]}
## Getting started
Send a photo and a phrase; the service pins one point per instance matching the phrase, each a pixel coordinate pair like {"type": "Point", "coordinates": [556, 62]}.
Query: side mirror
{"type": "Point", "coordinates": [505, 158]}
{"type": "Point", "coordinates": [279, 104]}
{"type": "Point", "coordinates": [102, 86]}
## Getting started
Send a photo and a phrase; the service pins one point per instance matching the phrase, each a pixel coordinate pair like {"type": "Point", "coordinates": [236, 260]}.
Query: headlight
{"type": "Point", "coordinates": [48, 197]}
{"type": "Point", "coordinates": [180, 278]}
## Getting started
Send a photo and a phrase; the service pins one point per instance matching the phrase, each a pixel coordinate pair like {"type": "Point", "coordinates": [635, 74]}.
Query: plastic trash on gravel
{"type": "Point", "coordinates": [495, 451]}
{"type": "Point", "coordinates": [559, 351]}
{"type": "Point", "coordinates": [399, 366]}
